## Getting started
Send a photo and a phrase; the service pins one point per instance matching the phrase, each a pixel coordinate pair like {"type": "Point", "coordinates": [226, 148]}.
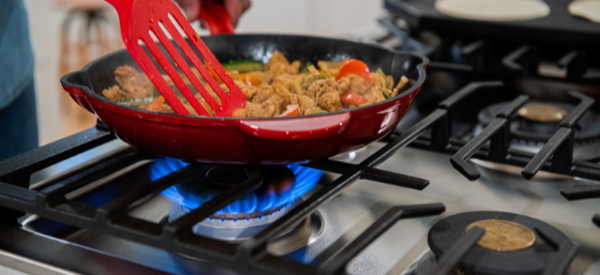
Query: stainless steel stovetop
{"type": "Point", "coordinates": [401, 250]}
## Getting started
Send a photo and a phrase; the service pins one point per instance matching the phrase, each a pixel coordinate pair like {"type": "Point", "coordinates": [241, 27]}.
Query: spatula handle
{"type": "Point", "coordinates": [216, 17]}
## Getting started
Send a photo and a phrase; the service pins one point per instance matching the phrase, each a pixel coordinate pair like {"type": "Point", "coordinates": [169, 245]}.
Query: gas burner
{"type": "Point", "coordinates": [512, 244]}
{"type": "Point", "coordinates": [280, 191]}
{"type": "Point", "coordinates": [536, 122]}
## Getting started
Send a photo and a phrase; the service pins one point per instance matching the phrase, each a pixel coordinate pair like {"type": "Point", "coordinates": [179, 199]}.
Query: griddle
{"type": "Point", "coordinates": [558, 28]}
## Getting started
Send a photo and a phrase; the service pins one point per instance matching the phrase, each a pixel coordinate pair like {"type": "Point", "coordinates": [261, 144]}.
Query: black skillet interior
{"type": "Point", "coordinates": [260, 47]}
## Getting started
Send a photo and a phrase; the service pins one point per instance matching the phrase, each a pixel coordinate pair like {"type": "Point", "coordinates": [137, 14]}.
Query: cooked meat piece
{"type": "Point", "coordinates": [305, 103]}
{"type": "Point", "coordinates": [270, 107]}
{"type": "Point", "coordinates": [276, 58]}
{"type": "Point", "coordinates": [135, 86]}
{"type": "Point", "coordinates": [263, 93]}
{"type": "Point", "coordinates": [283, 93]}
{"type": "Point", "coordinates": [235, 75]}
{"type": "Point", "coordinates": [330, 101]}
{"type": "Point", "coordinates": [269, 100]}
{"type": "Point", "coordinates": [273, 106]}
{"type": "Point", "coordinates": [254, 110]}
{"type": "Point", "coordinates": [321, 87]}
{"type": "Point", "coordinates": [374, 95]}
{"type": "Point", "coordinates": [354, 84]}
{"type": "Point", "coordinates": [251, 93]}
{"type": "Point", "coordinates": [124, 73]}
{"type": "Point", "coordinates": [279, 65]}
{"type": "Point", "coordinates": [113, 93]}
{"type": "Point", "coordinates": [326, 92]}
{"type": "Point", "coordinates": [240, 112]}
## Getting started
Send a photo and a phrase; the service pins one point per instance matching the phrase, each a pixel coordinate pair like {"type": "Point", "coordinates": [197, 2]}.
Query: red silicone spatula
{"type": "Point", "coordinates": [139, 18]}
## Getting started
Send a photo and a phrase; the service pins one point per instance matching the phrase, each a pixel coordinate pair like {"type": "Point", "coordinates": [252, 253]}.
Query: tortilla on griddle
{"type": "Point", "coordinates": [493, 10]}
{"type": "Point", "coordinates": [588, 9]}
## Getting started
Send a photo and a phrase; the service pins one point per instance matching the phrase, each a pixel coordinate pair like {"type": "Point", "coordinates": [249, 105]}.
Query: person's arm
{"type": "Point", "coordinates": [235, 9]}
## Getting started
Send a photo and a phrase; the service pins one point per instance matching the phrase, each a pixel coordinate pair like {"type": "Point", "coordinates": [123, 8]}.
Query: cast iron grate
{"type": "Point", "coordinates": [49, 201]}
{"type": "Point", "coordinates": [493, 143]}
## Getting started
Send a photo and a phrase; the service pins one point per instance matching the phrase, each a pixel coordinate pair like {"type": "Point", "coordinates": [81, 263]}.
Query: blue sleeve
{"type": "Point", "coordinates": [16, 55]}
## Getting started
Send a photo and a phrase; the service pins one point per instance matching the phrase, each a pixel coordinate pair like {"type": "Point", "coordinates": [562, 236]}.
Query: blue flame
{"type": "Point", "coordinates": [163, 167]}
{"type": "Point", "coordinates": [261, 200]}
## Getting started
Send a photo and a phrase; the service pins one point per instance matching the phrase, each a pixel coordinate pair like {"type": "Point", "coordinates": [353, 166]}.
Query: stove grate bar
{"type": "Point", "coordinates": [77, 180]}
{"type": "Point", "coordinates": [581, 192]}
{"type": "Point", "coordinates": [337, 263]}
{"type": "Point", "coordinates": [564, 257]}
{"type": "Point", "coordinates": [183, 225]}
{"type": "Point", "coordinates": [498, 132]}
{"type": "Point", "coordinates": [119, 204]}
{"type": "Point", "coordinates": [457, 251]}
{"type": "Point", "coordinates": [370, 174]}
{"type": "Point", "coordinates": [529, 57]}
{"type": "Point", "coordinates": [561, 144]}
{"type": "Point", "coordinates": [18, 170]}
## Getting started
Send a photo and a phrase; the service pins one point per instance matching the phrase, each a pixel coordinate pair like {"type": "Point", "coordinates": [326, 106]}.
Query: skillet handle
{"type": "Point", "coordinates": [301, 128]}
{"type": "Point", "coordinates": [74, 83]}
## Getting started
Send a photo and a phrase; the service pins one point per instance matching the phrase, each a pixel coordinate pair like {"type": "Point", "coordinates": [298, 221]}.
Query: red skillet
{"type": "Point", "coordinates": [227, 140]}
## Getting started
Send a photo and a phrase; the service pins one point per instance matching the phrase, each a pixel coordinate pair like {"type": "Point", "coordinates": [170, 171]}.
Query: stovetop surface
{"type": "Point", "coordinates": [359, 205]}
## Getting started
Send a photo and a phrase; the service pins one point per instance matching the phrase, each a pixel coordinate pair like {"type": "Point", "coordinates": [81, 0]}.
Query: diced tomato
{"type": "Point", "coordinates": [157, 104]}
{"type": "Point", "coordinates": [356, 67]}
{"type": "Point", "coordinates": [249, 79]}
{"type": "Point", "coordinates": [353, 98]}
{"type": "Point", "coordinates": [292, 110]}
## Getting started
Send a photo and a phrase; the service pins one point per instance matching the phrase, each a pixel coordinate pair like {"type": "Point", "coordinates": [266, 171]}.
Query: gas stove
{"type": "Point", "coordinates": [494, 170]}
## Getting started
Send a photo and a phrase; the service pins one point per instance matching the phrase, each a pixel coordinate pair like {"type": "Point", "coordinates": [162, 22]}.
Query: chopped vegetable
{"type": "Point", "coordinates": [305, 69]}
{"type": "Point", "coordinates": [389, 80]}
{"type": "Point", "coordinates": [292, 110]}
{"type": "Point", "coordinates": [157, 104]}
{"type": "Point", "coordinates": [356, 67]}
{"type": "Point", "coordinates": [331, 65]}
{"type": "Point", "coordinates": [403, 81]}
{"type": "Point", "coordinates": [135, 102]}
{"type": "Point", "coordinates": [243, 66]}
{"type": "Point", "coordinates": [316, 77]}
{"type": "Point", "coordinates": [353, 98]}
{"type": "Point", "coordinates": [249, 79]}
{"type": "Point", "coordinates": [212, 72]}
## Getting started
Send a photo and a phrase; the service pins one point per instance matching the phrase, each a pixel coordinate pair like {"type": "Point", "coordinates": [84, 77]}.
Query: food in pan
{"type": "Point", "coordinates": [277, 88]}
{"type": "Point", "coordinates": [588, 9]}
{"type": "Point", "coordinates": [493, 10]}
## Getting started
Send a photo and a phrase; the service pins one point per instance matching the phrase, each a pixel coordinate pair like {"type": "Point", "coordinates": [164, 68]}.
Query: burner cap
{"type": "Point", "coordinates": [226, 175]}
{"type": "Point", "coordinates": [502, 235]}
{"type": "Point", "coordinates": [529, 260]}
{"type": "Point", "coordinates": [542, 112]}
{"type": "Point", "coordinates": [536, 122]}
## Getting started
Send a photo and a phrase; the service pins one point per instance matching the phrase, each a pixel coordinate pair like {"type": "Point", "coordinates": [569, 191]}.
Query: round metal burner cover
{"type": "Point", "coordinates": [503, 235]}
{"type": "Point", "coordinates": [480, 260]}
{"type": "Point", "coordinates": [542, 112]}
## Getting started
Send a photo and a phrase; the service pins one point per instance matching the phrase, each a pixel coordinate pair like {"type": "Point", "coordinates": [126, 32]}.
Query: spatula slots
{"type": "Point", "coordinates": [140, 18]}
